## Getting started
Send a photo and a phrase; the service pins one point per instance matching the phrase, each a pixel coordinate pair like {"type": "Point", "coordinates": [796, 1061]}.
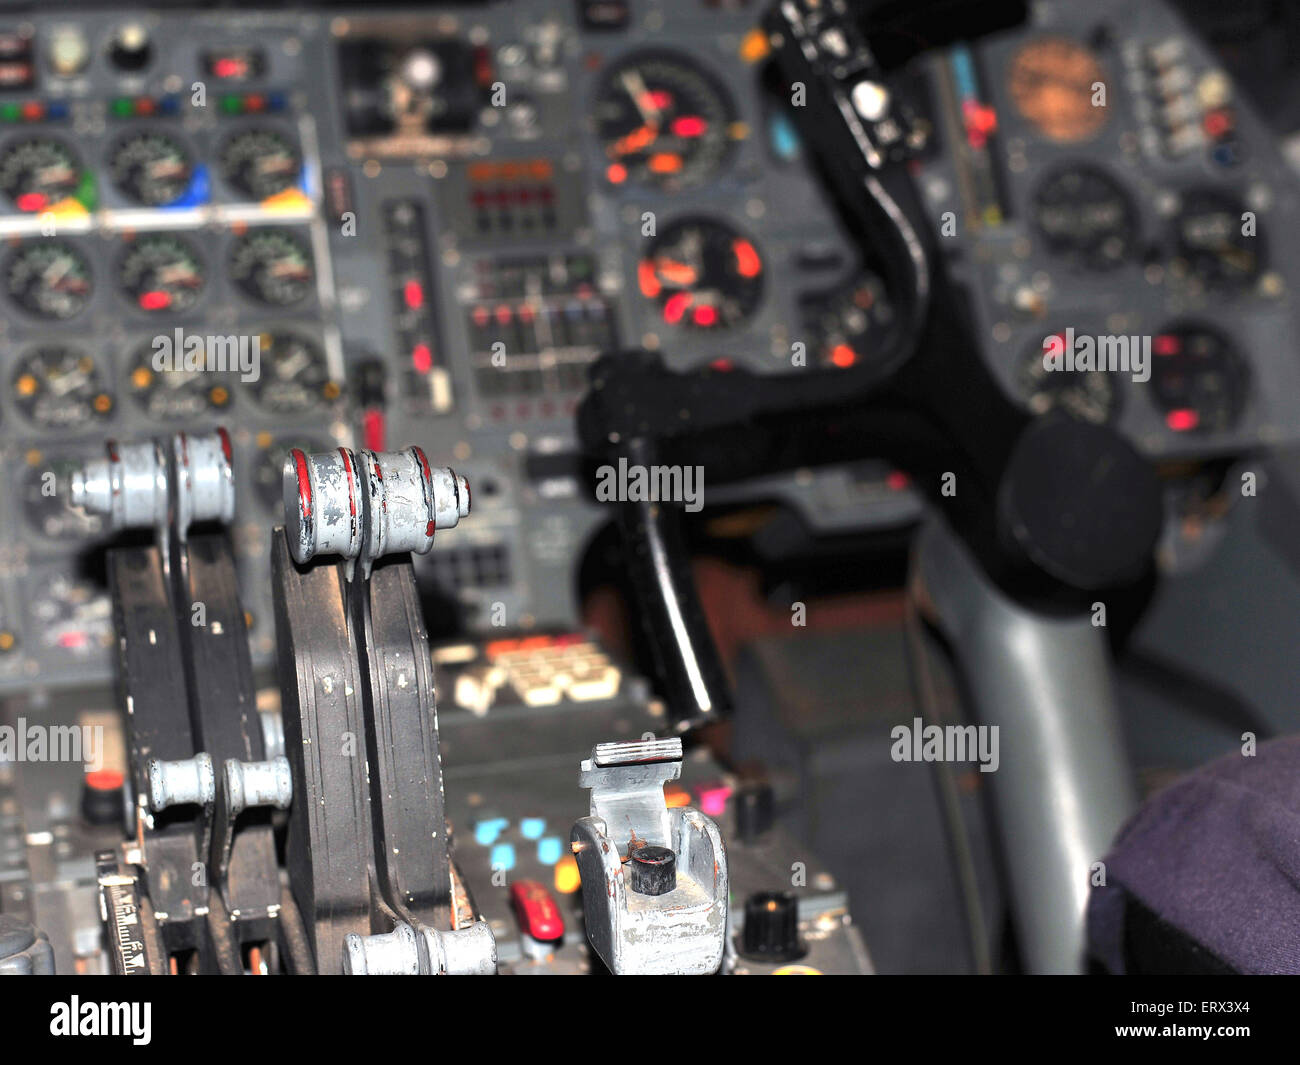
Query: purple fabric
{"type": "Point", "coordinates": [1216, 855]}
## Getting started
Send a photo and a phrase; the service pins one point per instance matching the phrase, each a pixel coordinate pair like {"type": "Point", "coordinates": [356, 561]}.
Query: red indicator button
{"type": "Point", "coordinates": [413, 295]}
{"type": "Point", "coordinates": [539, 916]}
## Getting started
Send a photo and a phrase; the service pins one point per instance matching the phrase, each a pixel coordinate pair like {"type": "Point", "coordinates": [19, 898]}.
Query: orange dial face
{"type": "Point", "coordinates": [1053, 82]}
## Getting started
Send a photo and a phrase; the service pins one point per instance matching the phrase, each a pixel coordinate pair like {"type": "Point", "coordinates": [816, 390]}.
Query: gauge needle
{"type": "Point", "coordinates": [636, 88]}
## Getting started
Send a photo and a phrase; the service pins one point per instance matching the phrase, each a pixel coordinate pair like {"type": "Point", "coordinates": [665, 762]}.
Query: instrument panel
{"type": "Point", "coordinates": [379, 228]}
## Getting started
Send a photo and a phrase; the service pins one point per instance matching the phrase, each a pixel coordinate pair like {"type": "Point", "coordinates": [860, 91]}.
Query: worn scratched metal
{"type": "Point", "coordinates": [682, 931]}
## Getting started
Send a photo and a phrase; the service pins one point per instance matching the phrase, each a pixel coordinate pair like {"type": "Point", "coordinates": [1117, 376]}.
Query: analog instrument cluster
{"type": "Point", "coordinates": [1108, 187]}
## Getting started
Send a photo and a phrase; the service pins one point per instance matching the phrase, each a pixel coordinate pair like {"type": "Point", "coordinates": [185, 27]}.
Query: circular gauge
{"type": "Point", "coordinates": [702, 274]}
{"type": "Point", "coordinates": [1085, 216]}
{"type": "Point", "coordinates": [60, 388]}
{"type": "Point", "coordinates": [176, 394]}
{"type": "Point", "coordinates": [39, 172]}
{"type": "Point", "coordinates": [153, 169]}
{"type": "Point", "coordinates": [268, 470]}
{"type": "Point", "coordinates": [853, 324]}
{"type": "Point", "coordinates": [1198, 380]}
{"type": "Point", "coordinates": [273, 266]}
{"type": "Point", "coordinates": [161, 274]}
{"type": "Point", "coordinates": [73, 616]}
{"type": "Point", "coordinates": [1087, 395]}
{"type": "Point", "coordinates": [260, 163]}
{"type": "Point", "coordinates": [1209, 240]}
{"type": "Point", "coordinates": [662, 121]}
{"type": "Point", "coordinates": [1052, 82]}
{"type": "Point", "coordinates": [47, 500]}
{"type": "Point", "coordinates": [294, 377]}
{"type": "Point", "coordinates": [50, 279]}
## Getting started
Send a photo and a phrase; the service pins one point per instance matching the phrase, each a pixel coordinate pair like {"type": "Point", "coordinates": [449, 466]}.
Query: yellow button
{"type": "Point", "coordinates": [567, 878]}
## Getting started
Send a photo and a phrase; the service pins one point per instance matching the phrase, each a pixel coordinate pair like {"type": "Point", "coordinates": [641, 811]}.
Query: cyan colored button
{"type": "Point", "coordinates": [532, 827]}
{"type": "Point", "coordinates": [503, 857]}
{"type": "Point", "coordinates": [486, 832]}
{"type": "Point", "coordinates": [549, 850]}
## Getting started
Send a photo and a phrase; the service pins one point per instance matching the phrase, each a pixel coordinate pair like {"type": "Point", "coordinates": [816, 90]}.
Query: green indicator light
{"type": "Point", "coordinates": [122, 107]}
{"type": "Point", "coordinates": [87, 194]}
{"type": "Point", "coordinates": [232, 104]}
{"type": "Point", "coordinates": [10, 112]}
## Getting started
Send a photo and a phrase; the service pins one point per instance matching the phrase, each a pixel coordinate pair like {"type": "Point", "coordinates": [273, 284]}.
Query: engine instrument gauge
{"type": "Point", "coordinates": [663, 121]}
{"type": "Point", "coordinates": [73, 616]}
{"type": "Point", "coordinates": [176, 394]}
{"type": "Point", "coordinates": [161, 273]}
{"type": "Point", "coordinates": [153, 169]}
{"type": "Point", "coordinates": [1052, 82]}
{"type": "Point", "coordinates": [1087, 395]}
{"type": "Point", "coordinates": [47, 499]}
{"type": "Point", "coordinates": [1209, 240]}
{"type": "Point", "coordinates": [1085, 216]}
{"type": "Point", "coordinates": [273, 266]}
{"type": "Point", "coordinates": [853, 324]}
{"type": "Point", "coordinates": [259, 163]}
{"type": "Point", "coordinates": [294, 377]}
{"type": "Point", "coordinates": [702, 274]}
{"type": "Point", "coordinates": [49, 279]}
{"type": "Point", "coordinates": [1198, 379]}
{"type": "Point", "coordinates": [60, 387]}
{"type": "Point", "coordinates": [39, 172]}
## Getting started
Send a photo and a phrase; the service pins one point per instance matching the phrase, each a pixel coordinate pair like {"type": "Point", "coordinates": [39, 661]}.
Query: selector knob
{"type": "Point", "coordinates": [771, 930]}
{"type": "Point", "coordinates": [130, 48]}
{"type": "Point", "coordinates": [654, 870]}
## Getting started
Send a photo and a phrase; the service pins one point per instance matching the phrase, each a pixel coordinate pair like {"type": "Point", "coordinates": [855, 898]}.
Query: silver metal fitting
{"type": "Point", "coordinates": [129, 485]}
{"type": "Point", "coordinates": [680, 930]}
{"type": "Point", "coordinates": [205, 478]}
{"type": "Point", "coordinates": [190, 781]}
{"type": "Point", "coordinates": [250, 784]}
{"type": "Point", "coordinates": [364, 505]}
{"type": "Point", "coordinates": [405, 951]}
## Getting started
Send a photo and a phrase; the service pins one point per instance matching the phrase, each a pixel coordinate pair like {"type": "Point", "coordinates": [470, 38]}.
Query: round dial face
{"type": "Point", "coordinates": [662, 121]}
{"type": "Point", "coordinates": [260, 163]}
{"type": "Point", "coordinates": [1209, 240]}
{"type": "Point", "coordinates": [273, 266]}
{"type": "Point", "coordinates": [51, 514]}
{"type": "Point", "coordinates": [852, 324]}
{"type": "Point", "coordinates": [1083, 394]}
{"type": "Point", "coordinates": [39, 172]}
{"type": "Point", "coordinates": [1198, 380]}
{"type": "Point", "coordinates": [49, 279]}
{"type": "Point", "coordinates": [73, 616]}
{"type": "Point", "coordinates": [153, 169]}
{"type": "Point", "coordinates": [1052, 84]}
{"type": "Point", "coordinates": [176, 394]}
{"type": "Point", "coordinates": [161, 274]}
{"type": "Point", "coordinates": [60, 388]}
{"type": "Point", "coordinates": [1085, 216]}
{"type": "Point", "coordinates": [294, 377]}
{"type": "Point", "coordinates": [702, 274]}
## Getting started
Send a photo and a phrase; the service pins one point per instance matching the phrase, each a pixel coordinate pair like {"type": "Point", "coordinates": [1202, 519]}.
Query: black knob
{"type": "Point", "coordinates": [771, 930]}
{"type": "Point", "coordinates": [654, 870]}
{"type": "Point", "coordinates": [755, 806]}
{"type": "Point", "coordinates": [101, 797]}
{"type": "Point", "coordinates": [130, 49]}
{"type": "Point", "coordinates": [1079, 503]}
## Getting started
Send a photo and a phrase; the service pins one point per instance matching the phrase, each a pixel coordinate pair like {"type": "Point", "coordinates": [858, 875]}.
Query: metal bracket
{"type": "Point", "coordinates": [641, 923]}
